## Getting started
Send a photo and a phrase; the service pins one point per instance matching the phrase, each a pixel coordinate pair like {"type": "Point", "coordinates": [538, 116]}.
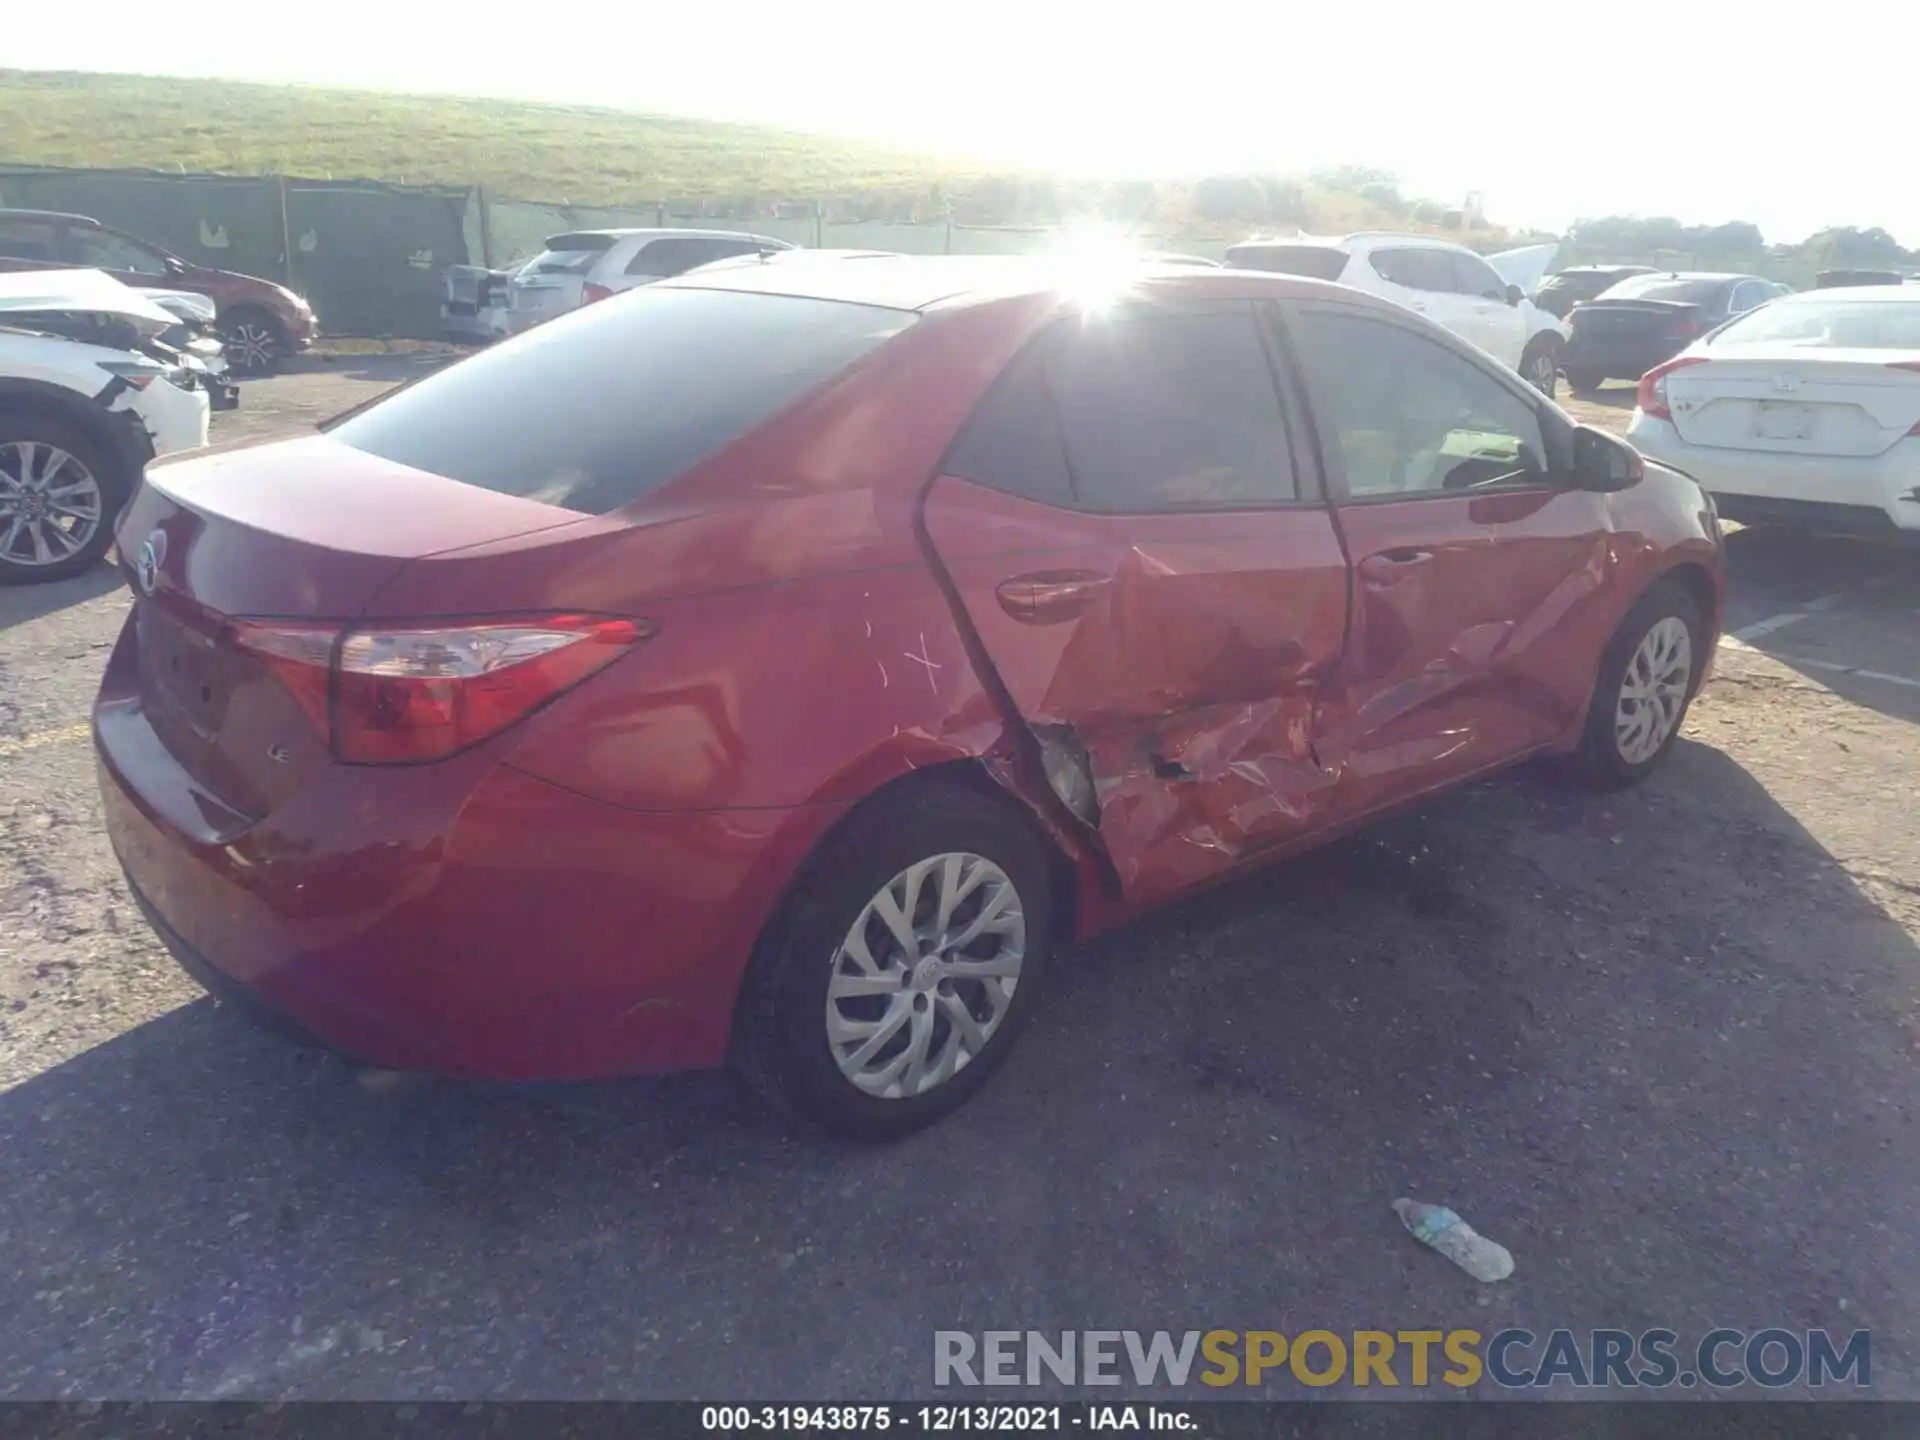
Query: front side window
{"type": "Point", "coordinates": [596, 409]}
{"type": "Point", "coordinates": [1415, 269]}
{"type": "Point", "coordinates": [1168, 411]}
{"type": "Point", "coordinates": [103, 250]}
{"type": "Point", "coordinates": [679, 254]}
{"type": "Point", "coordinates": [1409, 417]}
{"type": "Point", "coordinates": [1473, 276]}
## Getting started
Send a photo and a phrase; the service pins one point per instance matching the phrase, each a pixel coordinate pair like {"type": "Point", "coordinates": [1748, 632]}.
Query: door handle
{"type": "Point", "coordinates": [1047, 597]}
{"type": "Point", "coordinates": [1391, 566]}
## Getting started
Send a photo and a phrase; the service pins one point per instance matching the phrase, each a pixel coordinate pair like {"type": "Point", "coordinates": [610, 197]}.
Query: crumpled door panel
{"type": "Point", "coordinates": [1176, 656]}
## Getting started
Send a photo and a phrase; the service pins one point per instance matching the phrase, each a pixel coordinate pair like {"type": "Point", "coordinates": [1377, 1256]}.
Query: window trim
{"type": "Point", "coordinates": [1555, 429]}
{"type": "Point", "coordinates": [1311, 491]}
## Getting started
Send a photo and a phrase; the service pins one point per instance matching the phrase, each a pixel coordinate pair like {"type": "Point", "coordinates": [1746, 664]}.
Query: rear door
{"type": "Point", "coordinates": [1134, 529]}
{"type": "Point", "coordinates": [1471, 571]}
{"type": "Point", "coordinates": [29, 243]}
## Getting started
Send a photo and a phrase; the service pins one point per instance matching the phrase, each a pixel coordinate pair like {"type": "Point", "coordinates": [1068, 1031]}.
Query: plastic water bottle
{"type": "Point", "coordinates": [1440, 1228]}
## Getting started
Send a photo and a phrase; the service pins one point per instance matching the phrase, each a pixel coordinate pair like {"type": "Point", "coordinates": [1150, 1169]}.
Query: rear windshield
{"type": "Point", "coordinates": [1316, 262]}
{"type": "Point", "coordinates": [1836, 324]}
{"type": "Point", "coordinates": [1665, 287]}
{"type": "Point", "coordinates": [596, 409]}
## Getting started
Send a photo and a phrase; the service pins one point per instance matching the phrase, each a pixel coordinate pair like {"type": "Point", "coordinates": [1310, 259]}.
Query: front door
{"type": "Point", "coordinates": [1494, 323]}
{"type": "Point", "coordinates": [125, 259]}
{"type": "Point", "coordinates": [1471, 570]}
{"type": "Point", "coordinates": [1136, 534]}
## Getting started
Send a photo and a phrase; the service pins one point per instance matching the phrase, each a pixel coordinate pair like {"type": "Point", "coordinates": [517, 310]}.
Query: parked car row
{"type": "Point", "coordinates": [777, 662]}
{"type": "Point", "coordinates": [260, 322]}
{"type": "Point", "coordinates": [96, 379]}
{"type": "Point", "coordinates": [1448, 283]}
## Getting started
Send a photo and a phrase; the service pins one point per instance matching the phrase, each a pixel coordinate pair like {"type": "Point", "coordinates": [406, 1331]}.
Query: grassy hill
{"type": "Point", "coordinates": [535, 152]}
{"type": "Point", "coordinates": [588, 156]}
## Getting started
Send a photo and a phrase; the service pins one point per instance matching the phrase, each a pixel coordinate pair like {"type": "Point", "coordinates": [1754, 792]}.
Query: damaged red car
{"type": "Point", "coordinates": [778, 664]}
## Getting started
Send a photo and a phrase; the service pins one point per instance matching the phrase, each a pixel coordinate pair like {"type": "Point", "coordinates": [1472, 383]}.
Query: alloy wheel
{"type": "Point", "coordinates": [252, 345]}
{"type": "Point", "coordinates": [925, 975]}
{"type": "Point", "coordinates": [1542, 373]}
{"type": "Point", "coordinates": [50, 503]}
{"type": "Point", "coordinates": [1653, 692]}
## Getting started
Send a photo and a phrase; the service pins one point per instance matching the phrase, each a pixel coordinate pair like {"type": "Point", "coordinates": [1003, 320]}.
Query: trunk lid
{"type": "Point", "coordinates": [1607, 320]}
{"type": "Point", "coordinates": [1790, 400]}
{"type": "Point", "coordinates": [210, 544]}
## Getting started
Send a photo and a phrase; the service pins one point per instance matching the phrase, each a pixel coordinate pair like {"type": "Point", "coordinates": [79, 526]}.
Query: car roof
{"type": "Point", "coordinates": [10, 214]}
{"type": "Point", "coordinates": [922, 282]}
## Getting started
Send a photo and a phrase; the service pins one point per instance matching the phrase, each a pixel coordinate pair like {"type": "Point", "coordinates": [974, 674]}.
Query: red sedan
{"type": "Point", "coordinates": [777, 664]}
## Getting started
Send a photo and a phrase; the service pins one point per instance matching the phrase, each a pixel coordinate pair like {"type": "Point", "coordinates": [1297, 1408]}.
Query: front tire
{"type": "Point", "coordinates": [899, 974]}
{"type": "Point", "coordinates": [61, 489]}
{"type": "Point", "coordinates": [1540, 367]}
{"type": "Point", "coordinates": [1647, 680]}
{"type": "Point", "coordinates": [1585, 382]}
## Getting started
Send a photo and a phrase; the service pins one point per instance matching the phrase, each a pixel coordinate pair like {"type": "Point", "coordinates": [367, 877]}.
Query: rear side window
{"type": "Point", "coordinates": [678, 255]}
{"type": "Point", "coordinates": [596, 409]}
{"type": "Point", "coordinates": [1013, 442]}
{"type": "Point", "coordinates": [1416, 269]}
{"type": "Point", "coordinates": [568, 254]}
{"type": "Point", "coordinates": [1170, 411]}
{"type": "Point", "coordinates": [28, 240]}
{"type": "Point", "coordinates": [1315, 262]}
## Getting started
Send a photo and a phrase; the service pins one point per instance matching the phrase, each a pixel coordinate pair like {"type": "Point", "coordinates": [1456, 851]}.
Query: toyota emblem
{"type": "Point", "coordinates": [146, 565]}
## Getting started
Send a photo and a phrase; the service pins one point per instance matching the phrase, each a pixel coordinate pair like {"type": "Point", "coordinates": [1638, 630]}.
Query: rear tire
{"type": "Point", "coordinates": [61, 489]}
{"type": "Point", "coordinates": [822, 1033]}
{"type": "Point", "coordinates": [1648, 678]}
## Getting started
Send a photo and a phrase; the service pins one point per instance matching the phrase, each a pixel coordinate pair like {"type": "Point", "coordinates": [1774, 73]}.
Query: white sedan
{"type": "Point", "coordinates": [1805, 412]}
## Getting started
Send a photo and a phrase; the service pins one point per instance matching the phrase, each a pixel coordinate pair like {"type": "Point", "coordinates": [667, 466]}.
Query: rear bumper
{"type": "Point", "coordinates": [1870, 495]}
{"type": "Point", "coordinates": [463, 917]}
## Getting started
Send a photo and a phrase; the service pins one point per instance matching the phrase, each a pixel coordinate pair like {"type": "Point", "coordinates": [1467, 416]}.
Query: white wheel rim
{"type": "Point", "coordinates": [1653, 692]}
{"type": "Point", "coordinates": [925, 976]}
{"type": "Point", "coordinates": [1544, 370]}
{"type": "Point", "coordinates": [50, 504]}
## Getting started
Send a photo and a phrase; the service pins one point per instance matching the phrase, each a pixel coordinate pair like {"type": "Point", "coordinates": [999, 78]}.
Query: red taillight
{"type": "Point", "coordinates": [1652, 395]}
{"type": "Point", "coordinates": [413, 693]}
{"type": "Point", "coordinates": [591, 292]}
{"type": "Point", "coordinates": [1682, 329]}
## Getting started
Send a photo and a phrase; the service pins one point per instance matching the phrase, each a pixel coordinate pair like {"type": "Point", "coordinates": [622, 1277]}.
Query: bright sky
{"type": "Point", "coordinates": [1553, 109]}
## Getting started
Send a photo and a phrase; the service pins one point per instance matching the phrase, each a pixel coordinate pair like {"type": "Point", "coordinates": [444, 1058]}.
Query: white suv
{"type": "Point", "coordinates": [586, 265]}
{"type": "Point", "coordinates": [1447, 283]}
{"type": "Point", "coordinates": [83, 407]}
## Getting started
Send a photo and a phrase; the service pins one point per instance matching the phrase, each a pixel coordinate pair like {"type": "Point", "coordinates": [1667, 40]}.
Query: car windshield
{"type": "Point", "coordinates": [568, 255]}
{"type": "Point", "coordinates": [593, 411]}
{"type": "Point", "coordinates": [1830, 325]}
{"type": "Point", "coordinates": [1664, 287]}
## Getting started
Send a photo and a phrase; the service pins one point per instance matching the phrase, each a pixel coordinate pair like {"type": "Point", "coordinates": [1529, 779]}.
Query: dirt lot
{"type": "Point", "coordinates": [1665, 1046]}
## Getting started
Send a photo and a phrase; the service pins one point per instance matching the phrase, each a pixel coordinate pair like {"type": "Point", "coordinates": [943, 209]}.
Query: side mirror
{"type": "Point", "coordinates": [1515, 294]}
{"type": "Point", "coordinates": [1604, 463]}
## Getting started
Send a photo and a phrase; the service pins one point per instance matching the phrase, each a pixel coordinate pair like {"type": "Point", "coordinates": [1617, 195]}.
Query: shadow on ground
{"type": "Point", "coordinates": [22, 603]}
{"type": "Point", "coordinates": [1656, 1043]}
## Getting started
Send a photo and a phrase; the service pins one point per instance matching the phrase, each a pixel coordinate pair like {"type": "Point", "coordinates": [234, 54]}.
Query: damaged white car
{"type": "Point", "coordinates": [89, 393]}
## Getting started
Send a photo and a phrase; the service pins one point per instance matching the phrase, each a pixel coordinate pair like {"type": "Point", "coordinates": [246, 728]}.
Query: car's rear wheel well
{"type": "Point", "coordinates": [970, 774]}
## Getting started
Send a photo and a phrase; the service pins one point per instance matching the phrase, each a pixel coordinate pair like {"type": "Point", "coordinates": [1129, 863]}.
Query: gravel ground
{"type": "Point", "coordinates": [1664, 1045]}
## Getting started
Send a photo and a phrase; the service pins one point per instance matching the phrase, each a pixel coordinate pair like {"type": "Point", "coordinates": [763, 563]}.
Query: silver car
{"type": "Point", "coordinates": [582, 266]}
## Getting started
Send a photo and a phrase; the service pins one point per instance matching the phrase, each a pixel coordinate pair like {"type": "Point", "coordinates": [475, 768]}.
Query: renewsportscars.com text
{"type": "Point", "coordinates": [1721, 1359]}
